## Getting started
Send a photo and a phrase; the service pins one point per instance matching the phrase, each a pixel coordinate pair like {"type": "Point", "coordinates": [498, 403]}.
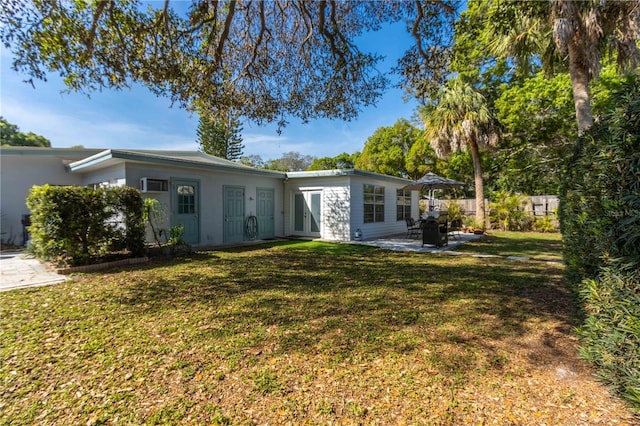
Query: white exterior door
{"type": "Point", "coordinates": [307, 213]}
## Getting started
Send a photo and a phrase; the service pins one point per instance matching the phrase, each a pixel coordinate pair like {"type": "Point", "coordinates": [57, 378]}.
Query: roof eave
{"type": "Point", "coordinates": [346, 172]}
{"type": "Point", "coordinates": [102, 157]}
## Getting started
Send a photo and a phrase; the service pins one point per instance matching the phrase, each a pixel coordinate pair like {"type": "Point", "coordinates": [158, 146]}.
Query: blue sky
{"type": "Point", "coordinates": [137, 119]}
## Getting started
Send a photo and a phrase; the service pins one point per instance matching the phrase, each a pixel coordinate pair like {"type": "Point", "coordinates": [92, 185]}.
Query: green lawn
{"type": "Point", "coordinates": [535, 245]}
{"type": "Point", "coordinates": [303, 333]}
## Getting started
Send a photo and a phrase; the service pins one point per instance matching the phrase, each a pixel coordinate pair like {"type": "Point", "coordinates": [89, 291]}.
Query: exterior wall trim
{"type": "Point", "coordinates": [168, 160]}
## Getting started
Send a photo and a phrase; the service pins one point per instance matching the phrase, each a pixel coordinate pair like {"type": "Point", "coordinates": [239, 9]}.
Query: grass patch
{"type": "Point", "coordinates": [265, 381]}
{"type": "Point", "coordinates": [534, 245]}
{"type": "Point", "coordinates": [295, 332]}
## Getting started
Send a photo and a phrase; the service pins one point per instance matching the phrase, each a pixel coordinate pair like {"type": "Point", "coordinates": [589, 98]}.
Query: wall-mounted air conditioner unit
{"type": "Point", "coordinates": [153, 185]}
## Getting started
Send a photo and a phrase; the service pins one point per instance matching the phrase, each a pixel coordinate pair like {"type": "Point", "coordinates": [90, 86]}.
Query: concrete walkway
{"type": "Point", "coordinates": [19, 270]}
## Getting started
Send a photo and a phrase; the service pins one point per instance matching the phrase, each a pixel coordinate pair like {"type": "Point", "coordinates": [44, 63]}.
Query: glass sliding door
{"type": "Point", "coordinates": [307, 213]}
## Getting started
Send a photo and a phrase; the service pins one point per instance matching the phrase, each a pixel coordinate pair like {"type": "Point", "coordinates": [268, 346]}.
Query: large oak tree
{"type": "Point", "coordinates": [269, 60]}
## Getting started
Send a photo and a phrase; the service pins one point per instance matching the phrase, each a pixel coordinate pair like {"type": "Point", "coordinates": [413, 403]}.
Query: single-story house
{"type": "Point", "coordinates": [215, 199]}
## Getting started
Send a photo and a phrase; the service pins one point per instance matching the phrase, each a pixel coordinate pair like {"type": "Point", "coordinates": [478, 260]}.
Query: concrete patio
{"type": "Point", "coordinates": [20, 270]}
{"type": "Point", "coordinates": [402, 243]}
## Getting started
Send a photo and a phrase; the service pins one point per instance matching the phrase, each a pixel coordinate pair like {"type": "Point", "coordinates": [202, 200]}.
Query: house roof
{"type": "Point", "coordinates": [89, 159]}
{"type": "Point", "coordinates": [347, 172]}
{"type": "Point", "coordinates": [189, 159]}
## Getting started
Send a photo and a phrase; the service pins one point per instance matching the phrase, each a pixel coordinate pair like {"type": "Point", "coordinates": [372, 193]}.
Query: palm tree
{"type": "Point", "coordinates": [580, 28]}
{"type": "Point", "coordinates": [574, 32]}
{"type": "Point", "coordinates": [462, 120]}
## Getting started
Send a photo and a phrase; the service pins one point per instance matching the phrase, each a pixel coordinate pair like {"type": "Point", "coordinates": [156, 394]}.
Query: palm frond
{"type": "Point", "coordinates": [460, 118]}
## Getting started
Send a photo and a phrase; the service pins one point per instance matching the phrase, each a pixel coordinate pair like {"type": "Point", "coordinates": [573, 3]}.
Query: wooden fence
{"type": "Point", "coordinates": [537, 205]}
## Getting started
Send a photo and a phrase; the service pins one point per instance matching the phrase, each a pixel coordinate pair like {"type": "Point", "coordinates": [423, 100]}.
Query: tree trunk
{"type": "Point", "coordinates": [579, 73]}
{"type": "Point", "coordinates": [479, 185]}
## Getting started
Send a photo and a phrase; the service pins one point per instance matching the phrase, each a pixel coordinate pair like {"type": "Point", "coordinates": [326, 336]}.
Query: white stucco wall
{"type": "Point", "coordinates": [335, 208]}
{"type": "Point", "coordinates": [20, 169]}
{"type": "Point", "coordinates": [109, 176]}
{"type": "Point", "coordinates": [211, 195]}
{"type": "Point", "coordinates": [391, 225]}
{"type": "Point", "coordinates": [342, 205]}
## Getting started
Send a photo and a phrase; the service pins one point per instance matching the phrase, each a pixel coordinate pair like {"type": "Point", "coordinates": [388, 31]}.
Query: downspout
{"type": "Point", "coordinates": [284, 200]}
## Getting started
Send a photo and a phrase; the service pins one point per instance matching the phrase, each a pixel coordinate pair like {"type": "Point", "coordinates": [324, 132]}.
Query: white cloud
{"type": "Point", "coordinates": [95, 127]}
{"type": "Point", "coordinates": [267, 146]}
{"type": "Point", "coordinates": [90, 130]}
{"type": "Point", "coordinates": [61, 129]}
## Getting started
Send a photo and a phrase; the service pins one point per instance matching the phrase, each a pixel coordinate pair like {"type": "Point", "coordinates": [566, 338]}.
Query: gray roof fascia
{"type": "Point", "coordinates": [147, 157]}
{"type": "Point", "coordinates": [90, 161]}
{"type": "Point", "coordinates": [347, 172]}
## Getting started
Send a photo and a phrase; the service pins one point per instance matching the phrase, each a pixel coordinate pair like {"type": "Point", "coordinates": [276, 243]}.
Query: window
{"type": "Point", "coordinates": [373, 203]}
{"type": "Point", "coordinates": [403, 204]}
{"type": "Point", "coordinates": [98, 185]}
{"type": "Point", "coordinates": [186, 199]}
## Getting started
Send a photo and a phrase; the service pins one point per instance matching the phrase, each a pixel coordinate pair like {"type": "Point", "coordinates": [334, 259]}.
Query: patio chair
{"type": "Point", "coordinates": [413, 228]}
{"type": "Point", "coordinates": [454, 228]}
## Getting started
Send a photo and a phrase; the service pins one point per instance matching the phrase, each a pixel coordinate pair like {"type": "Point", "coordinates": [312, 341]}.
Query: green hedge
{"type": "Point", "coordinates": [76, 225]}
{"type": "Point", "coordinates": [600, 222]}
{"type": "Point", "coordinates": [611, 332]}
{"type": "Point", "coordinates": [600, 199]}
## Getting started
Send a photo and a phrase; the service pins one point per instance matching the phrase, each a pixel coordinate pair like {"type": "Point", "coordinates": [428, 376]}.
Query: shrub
{"type": "Point", "coordinates": [73, 225]}
{"type": "Point", "coordinates": [545, 223]}
{"type": "Point", "coordinates": [175, 235]}
{"type": "Point", "coordinates": [472, 222]}
{"type": "Point", "coordinates": [454, 211]}
{"type": "Point", "coordinates": [507, 212]}
{"type": "Point", "coordinates": [125, 202]}
{"type": "Point", "coordinates": [600, 224]}
{"type": "Point", "coordinates": [600, 198]}
{"type": "Point", "coordinates": [611, 332]}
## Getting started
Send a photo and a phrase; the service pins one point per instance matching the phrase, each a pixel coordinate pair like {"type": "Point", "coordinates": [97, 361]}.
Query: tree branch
{"type": "Point", "coordinates": [256, 46]}
{"type": "Point", "coordinates": [336, 52]}
{"type": "Point", "coordinates": [415, 31]}
{"type": "Point", "coordinates": [225, 33]}
{"type": "Point", "coordinates": [102, 4]}
{"type": "Point", "coordinates": [123, 43]}
{"type": "Point", "coordinates": [308, 22]}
